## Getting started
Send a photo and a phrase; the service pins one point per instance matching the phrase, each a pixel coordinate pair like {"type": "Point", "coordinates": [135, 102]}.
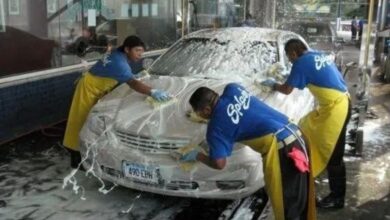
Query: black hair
{"type": "Point", "coordinates": [202, 97]}
{"type": "Point", "coordinates": [130, 42]}
{"type": "Point", "coordinates": [295, 45]}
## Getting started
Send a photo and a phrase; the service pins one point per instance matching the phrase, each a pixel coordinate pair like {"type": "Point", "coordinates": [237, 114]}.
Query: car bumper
{"type": "Point", "coordinates": [242, 176]}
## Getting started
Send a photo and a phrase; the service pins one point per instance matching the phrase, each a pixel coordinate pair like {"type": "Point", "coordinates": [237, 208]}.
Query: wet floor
{"type": "Point", "coordinates": [368, 176]}
{"type": "Point", "coordinates": [32, 170]}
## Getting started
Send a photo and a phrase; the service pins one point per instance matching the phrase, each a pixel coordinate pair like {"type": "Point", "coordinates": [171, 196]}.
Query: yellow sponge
{"type": "Point", "coordinates": [156, 104]}
{"type": "Point", "coordinates": [186, 166]}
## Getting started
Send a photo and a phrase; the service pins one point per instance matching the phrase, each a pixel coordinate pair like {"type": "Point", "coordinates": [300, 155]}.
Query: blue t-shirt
{"type": "Point", "coordinates": [317, 69]}
{"type": "Point", "coordinates": [113, 65]}
{"type": "Point", "coordinates": [239, 116]}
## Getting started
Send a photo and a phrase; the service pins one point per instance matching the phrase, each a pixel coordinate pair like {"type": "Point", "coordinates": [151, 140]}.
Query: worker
{"type": "Point", "coordinates": [102, 77]}
{"type": "Point", "coordinates": [236, 116]}
{"type": "Point", "coordinates": [324, 127]}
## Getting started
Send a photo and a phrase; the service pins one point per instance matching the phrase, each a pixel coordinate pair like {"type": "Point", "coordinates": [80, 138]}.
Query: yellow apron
{"type": "Point", "coordinates": [267, 146]}
{"type": "Point", "coordinates": [322, 126]}
{"type": "Point", "coordinates": [89, 90]}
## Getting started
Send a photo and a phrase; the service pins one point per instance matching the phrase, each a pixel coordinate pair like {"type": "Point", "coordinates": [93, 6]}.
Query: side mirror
{"type": "Point", "coordinates": [147, 63]}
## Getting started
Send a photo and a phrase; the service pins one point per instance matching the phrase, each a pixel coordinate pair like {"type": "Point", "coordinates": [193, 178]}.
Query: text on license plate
{"type": "Point", "coordinates": [143, 173]}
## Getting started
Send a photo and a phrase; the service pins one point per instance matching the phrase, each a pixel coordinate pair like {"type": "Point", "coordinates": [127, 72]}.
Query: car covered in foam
{"type": "Point", "coordinates": [130, 142]}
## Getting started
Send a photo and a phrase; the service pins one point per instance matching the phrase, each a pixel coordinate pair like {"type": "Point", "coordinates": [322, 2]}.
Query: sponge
{"type": "Point", "coordinates": [156, 104]}
{"type": "Point", "coordinates": [185, 166]}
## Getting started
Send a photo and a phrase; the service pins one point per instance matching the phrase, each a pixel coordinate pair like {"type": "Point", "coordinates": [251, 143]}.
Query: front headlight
{"type": "Point", "coordinates": [97, 124]}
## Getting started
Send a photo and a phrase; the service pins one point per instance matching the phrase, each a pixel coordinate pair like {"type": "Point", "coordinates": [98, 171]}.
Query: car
{"type": "Point", "coordinates": [127, 141]}
{"type": "Point", "coordinates": [343, 31]}
{"type": "Point", "coordinates": [320, 35]}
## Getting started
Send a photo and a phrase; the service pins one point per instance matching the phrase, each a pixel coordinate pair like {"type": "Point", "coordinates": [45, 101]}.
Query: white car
{"type": "Point", "coordinates": [129, 142]}
{"type": "Point", "coordinates": [343, 31]}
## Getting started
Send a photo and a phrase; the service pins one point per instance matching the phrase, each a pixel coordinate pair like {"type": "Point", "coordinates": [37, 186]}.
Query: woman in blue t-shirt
{"type": "Point", "coordinates": [111, 70]}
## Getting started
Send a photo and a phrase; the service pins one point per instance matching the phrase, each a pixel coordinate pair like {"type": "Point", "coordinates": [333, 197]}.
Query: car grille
{"type": "Point", "coordinates": [162, 146]}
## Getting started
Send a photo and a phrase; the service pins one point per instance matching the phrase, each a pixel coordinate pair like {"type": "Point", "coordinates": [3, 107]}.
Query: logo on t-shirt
{"type": "Point", "coordinates": [322, 61]}
{"type": "Point", "coordinates": [105, 59]}
{"type": "Point", "coordinates": [235, 110]}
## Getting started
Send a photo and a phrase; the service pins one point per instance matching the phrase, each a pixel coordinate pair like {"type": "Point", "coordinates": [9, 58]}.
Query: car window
{"type": "Point", "coordinates": [206, 57]}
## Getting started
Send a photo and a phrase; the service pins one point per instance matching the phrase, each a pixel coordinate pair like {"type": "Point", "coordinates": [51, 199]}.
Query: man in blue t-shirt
{"type": "Point", "coordinates": [108, 72]}
{"type": "Point", "coordinates": [325, 127]}
{"type": "Point", "coordinates": [360, 33]}
{"type": "Point", "coordinates": [236, 116]}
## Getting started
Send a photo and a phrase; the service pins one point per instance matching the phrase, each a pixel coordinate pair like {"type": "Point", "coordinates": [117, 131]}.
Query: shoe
{"type": "Point", "coordinates": [330, 202]}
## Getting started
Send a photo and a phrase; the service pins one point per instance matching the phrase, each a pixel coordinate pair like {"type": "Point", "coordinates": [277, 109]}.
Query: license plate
{"type": "Point", "coordinates": [140, 172]}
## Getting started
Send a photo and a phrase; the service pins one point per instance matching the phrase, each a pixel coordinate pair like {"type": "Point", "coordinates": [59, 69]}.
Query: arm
{"type": "Point", "coordinates": [139, 86]}
{"type": "Point", "coordinates": [218, 164]}
{"type": "Point", "coordinates": [283, 88]}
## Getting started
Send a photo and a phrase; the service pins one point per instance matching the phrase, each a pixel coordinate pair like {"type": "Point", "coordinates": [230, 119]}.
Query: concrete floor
{"type": "Point", "coordinates": [368, 177]}
{"type": "Point", "coordinates": [32, 171]}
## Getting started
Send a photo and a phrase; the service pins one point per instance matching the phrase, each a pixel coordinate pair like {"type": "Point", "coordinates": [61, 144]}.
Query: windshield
{"type": "Point", "coordinates": [211, 58]}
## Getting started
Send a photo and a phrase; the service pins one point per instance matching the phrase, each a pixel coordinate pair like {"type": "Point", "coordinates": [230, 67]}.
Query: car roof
{"type": "Point", "coordinates": [239, 34]}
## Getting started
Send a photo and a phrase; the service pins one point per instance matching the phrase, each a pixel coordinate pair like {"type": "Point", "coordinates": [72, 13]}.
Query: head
{"type": "Point", "coordinates": [89, 32]}
{"type": "Point", "coordinates": [294, 48]}
{"type": "Point", "coordinates": [133, 47]}
{"type": "Point", "coordinates": [203, 101]}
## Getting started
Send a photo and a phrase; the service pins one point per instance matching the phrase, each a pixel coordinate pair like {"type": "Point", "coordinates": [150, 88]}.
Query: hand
{"type": "Point", "coordinates": [190, 156]}
{"type": "Point", "coordinates": [159, 95]}
{"type": "Point", "coordinates": [269, 82]}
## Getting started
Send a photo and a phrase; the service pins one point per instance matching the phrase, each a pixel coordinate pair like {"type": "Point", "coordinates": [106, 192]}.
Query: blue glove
{"type": "Point", "coordinates": [269, 82]}
{"type": "Point", "coordinates": [159, 95]}
{"type": "Point", "coordinates": [190, 156]}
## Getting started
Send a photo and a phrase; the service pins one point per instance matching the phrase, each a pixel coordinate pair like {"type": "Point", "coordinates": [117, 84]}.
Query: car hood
{"type": "Point", "coordinates": [129, 112]}
{"type": "Point", "coordinates": [134, 114]}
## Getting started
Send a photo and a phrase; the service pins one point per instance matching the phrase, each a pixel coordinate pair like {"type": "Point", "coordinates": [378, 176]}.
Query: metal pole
{"type": "Point", "coordinates": [368, 32]}
{"type": "Point", "coordinates": [184, 10]}
{"type": "Point", "coordinates": [338, 19]}
{"type": "Point", "coordinates": [274, 14]}
{"type": "Point", "coordinates": [339, 9]}
{"type": "Point", "coordinates": [383, 15]}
